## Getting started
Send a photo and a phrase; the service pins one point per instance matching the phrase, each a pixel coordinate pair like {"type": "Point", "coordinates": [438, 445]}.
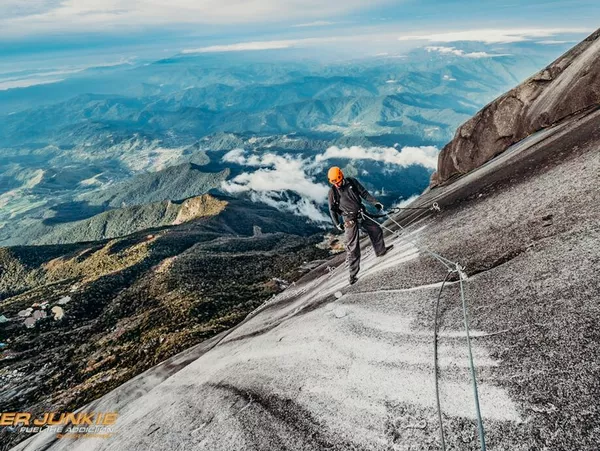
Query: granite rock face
{"type": "Point", "coordinates": [327, 366]}
{"type": "Point", "coordinates": [569, 85]}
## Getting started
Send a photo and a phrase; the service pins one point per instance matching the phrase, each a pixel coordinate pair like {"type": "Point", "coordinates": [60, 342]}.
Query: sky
{"type": "Point", "coordinates": [76, 33]}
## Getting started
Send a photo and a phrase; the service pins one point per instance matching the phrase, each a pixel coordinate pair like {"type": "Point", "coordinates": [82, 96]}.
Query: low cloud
{"type": "Point", "coordinates": [406, 202]}
{"type": "Point", "coordinates": [237, 156]}
{"type": "Point", "coordinates": [22, 17]}
{"type": "Point", "coordinates": [555, 42]}
{"type": "Point", "coordinates": [275, 44]}
{"type": "Point", "coordinates": [448, 50]}
{"type": "Point", "coordinates": [458, 52]}
{"type": "Point", "coordinates": [302, 207]}
{"type": "Point", "coordinates": [244, 46]}
{"type": "Point", "coordinates": [485, 55]}
{"type": "Point", "coordinates": [316, 23]}
{"type": "Point", "coordinates": [26, 82]}
{"type": "Point", "coordinates": [47, 76]}
{"type": "Point", "coordinates": [275, 173]}
{"type": "Point", "coordinates": [407, 156]}
{"type": "Point", "coordinates": [491, 36]}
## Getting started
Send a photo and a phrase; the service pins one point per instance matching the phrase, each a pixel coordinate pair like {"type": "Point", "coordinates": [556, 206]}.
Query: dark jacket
{"type": "Point", "coordinates": [347, 200]}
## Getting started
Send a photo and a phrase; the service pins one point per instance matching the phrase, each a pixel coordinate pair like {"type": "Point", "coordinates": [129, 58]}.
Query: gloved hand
{"type": "Point", "coordinates": [379, 206]}
{"type": "Point", "coordinates": [340, 227]}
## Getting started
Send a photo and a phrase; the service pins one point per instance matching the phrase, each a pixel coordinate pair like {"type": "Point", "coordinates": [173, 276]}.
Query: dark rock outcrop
{"type": "Point", "coordinates": [569, 85]}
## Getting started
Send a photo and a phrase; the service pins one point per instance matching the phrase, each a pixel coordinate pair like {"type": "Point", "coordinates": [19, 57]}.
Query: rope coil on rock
{"type": "Point", "coordinates": [452, 267]}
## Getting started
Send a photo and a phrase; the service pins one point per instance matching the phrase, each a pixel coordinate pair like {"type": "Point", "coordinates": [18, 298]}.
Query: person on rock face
{"type": "Point", "coordinates": [345, 199]}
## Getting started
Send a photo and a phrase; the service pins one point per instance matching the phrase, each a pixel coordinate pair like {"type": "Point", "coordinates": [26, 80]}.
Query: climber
{"type": "Point", "coordinates": [345, 199]}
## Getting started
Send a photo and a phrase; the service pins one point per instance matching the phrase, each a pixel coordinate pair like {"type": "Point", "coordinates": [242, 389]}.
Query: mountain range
{"type": "Point", "coordinates": [79, 147]}
{"type": "Point", "coordinates": [479, 328]}
{"type": "Point", "coordinates": [144, 209]}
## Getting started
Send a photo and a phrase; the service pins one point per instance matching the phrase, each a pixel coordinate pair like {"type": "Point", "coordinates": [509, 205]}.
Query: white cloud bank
{"type": "Point", "coordinates": [303, 207]}
{"type": "Point", "coordinates": [274, 173]}
{"type": "Point", "coordinates": [24, 80]}
{"type": "Point", "coordinates": [244, 46]}
{"type": "Point", "coordinates": [458, 52]}
{"type": "Point", "coordinates": [28, 17]}
{"type": "Point", "coordinates": [277, 174]}
{"type": "Point", "coordinates": [488, 36]}
{"type": "Point", "coordinates": [271, 45]}
{"type": "Point", "coordinates": [316, 23]}
{"type": "Point", "coordinates": [407, 156]}
{"type": "Point", "coordinates": [494, 36]}
{"type": "Point", "coordinates": [406, 202]}
{"type": "Point", "coordinates": [556, 42]}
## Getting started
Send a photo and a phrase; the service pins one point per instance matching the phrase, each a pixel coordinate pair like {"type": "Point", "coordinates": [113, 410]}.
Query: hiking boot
{"type": "Point", "coordinates": [386, 250]}
{"type": "Point", "coordinates": [353, 280]}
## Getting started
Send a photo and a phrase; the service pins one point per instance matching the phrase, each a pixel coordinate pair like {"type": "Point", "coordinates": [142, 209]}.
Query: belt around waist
{"type": "Point", "coordinates": [352, 215]}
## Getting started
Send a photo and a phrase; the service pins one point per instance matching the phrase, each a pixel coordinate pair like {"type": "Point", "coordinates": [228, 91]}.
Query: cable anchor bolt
{"type": "Point", "coordinates": [461, 272]}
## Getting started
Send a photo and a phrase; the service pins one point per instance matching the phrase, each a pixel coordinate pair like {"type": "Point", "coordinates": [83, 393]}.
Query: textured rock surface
{"type": "Point", "coordinates": [569, 85]}
{"type": "Point", "coordinates": [327, 366]}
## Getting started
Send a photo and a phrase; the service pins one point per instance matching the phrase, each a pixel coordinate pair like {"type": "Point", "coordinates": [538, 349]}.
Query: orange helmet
{"type": "Point", "coordinates": [335, 175]}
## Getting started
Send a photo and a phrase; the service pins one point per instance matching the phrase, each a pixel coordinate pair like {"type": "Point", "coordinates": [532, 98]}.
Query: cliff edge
{"type": "Point", "coordinates": [569, 85]}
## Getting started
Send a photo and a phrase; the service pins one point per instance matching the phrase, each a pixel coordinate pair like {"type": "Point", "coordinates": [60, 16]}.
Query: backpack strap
{"type": "Point", "coordinates": [336, 197]}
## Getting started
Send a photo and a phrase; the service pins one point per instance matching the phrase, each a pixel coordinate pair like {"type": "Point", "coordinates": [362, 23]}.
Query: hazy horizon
{"type": "Point", "coordinates": [68, 36]}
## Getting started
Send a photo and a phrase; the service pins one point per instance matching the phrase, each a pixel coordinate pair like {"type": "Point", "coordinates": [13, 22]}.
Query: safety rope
{"type": "Point", "coordinates": [447, 263]}
{"type": "Point", "coordinates": [435, 361]}
{"type": "Point", "coordinates": [452, 267]}
{"type": "Point", "coordinates": [434, 207]}
{"type": "Point", "coordinates": [472, 364]}
{"type": "Point", "coordinates": [416, 218]}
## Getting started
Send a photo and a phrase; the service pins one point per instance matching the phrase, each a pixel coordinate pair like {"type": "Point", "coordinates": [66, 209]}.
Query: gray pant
{"type": "Point", "coordinates": [353, 243]}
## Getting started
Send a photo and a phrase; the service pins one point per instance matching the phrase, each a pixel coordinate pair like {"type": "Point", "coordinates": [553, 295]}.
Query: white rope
{"type": "Point", "coordinates": [452, 267]}
{"type": "Point", "coordinates": [472, 364]}
{"type": "Point", "coordinates": [447, 263]}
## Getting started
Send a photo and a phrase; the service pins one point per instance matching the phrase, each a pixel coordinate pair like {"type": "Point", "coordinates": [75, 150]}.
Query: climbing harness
{"type": "Point", "coordinates": [453, 268]}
